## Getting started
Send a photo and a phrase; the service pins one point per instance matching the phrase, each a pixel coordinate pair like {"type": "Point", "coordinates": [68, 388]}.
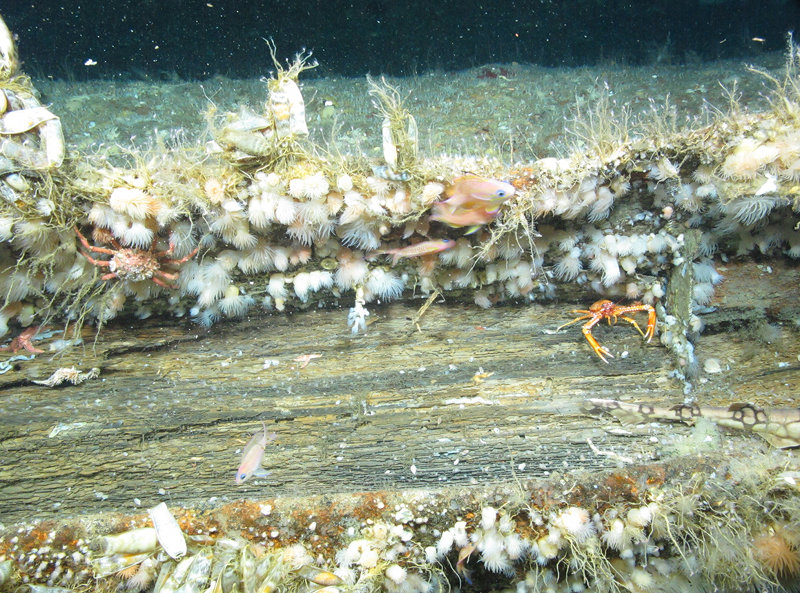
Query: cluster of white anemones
{"type": "Point", "coordinates": [571, 537]}
{"type": "Point", "coordinates": [307, 232]}
{"type": "Point", "coordinates": [381, 547]}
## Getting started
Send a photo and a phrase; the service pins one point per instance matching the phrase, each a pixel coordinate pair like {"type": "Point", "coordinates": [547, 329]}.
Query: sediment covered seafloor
{"type": "Point", "coordinates": [184, 291]}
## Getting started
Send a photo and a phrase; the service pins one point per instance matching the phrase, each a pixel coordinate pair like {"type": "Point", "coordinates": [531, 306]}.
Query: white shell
{"type": "Point", "coordinates": [8, 51]}
{"type": "Point", "coordinates": [23, 120]}
{"type": "Point", "coordinates": [389, 148]}
{"type": "Point", "coordinates": [135, 541]}
{"type": "Point", "coordinates": [288, 108]}
{"type": "Point", "coordinates": [168, 531]}
{"type": "Point", "coordinates": [52, 138]}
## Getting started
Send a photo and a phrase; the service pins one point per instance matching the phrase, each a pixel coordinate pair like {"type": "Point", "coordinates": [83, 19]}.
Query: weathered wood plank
{"type": "Point", "coordinates": [390, 409]}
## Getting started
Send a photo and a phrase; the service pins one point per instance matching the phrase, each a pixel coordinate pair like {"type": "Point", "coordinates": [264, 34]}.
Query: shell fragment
{"type": "Point", "coordinates": [168, 531]}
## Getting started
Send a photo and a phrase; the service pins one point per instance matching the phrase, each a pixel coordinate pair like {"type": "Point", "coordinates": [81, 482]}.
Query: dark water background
{"type": "Point", "coordinates": [198, 39]}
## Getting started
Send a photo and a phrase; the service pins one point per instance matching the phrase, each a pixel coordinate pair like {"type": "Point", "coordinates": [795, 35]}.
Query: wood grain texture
{"type": "Point", "coordinates": [392, 409]}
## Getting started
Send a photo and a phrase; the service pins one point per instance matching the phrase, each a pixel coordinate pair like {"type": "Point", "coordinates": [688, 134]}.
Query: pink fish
{"type": "Point", "coordinates": [418, 249]}
{"type": "Point", "coordinates": [252, 454]}
{"type": "Point", "coordinates": [474, 218]}
{"type": "Point", "coordinates": [473, 201]}
{"type": "Point", "coordinates": [472, 191]}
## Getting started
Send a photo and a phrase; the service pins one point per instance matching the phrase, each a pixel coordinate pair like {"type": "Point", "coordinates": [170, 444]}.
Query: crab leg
{"type": "Point", "coordinates": [85, 243]}
{"type": "Point", "coordinates": [586, 315]}
{"type": "Point", "coordinates": [651, 319]}
{"type": "Point", "coordinates": [598, 349]}
{"type": "Point", "coordinates": [634, 324]}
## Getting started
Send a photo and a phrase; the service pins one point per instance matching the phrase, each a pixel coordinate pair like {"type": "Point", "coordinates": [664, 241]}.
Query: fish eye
{"type": "Point", "coordinates": [501, 193]}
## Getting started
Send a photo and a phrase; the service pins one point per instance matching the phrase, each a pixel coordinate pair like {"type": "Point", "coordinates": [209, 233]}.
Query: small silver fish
{"type": "Point", "coordinates": [252, 454]}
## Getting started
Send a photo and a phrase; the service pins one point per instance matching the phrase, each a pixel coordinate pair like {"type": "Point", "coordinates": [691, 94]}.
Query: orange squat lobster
{"type": "Point", "coordinates": [605, 309]}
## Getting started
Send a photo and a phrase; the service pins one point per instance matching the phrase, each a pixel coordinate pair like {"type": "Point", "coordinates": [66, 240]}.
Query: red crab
{"type": "Point", "coordinates": [135, 264]}
{"type": "Point", "coordinates": [605, 309]}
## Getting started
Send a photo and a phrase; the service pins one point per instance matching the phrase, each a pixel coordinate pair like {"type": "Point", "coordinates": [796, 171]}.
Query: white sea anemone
{"type": "Point", "coordinates": [445, 543]}
{"type": "Point", "coordinates": [233, 303]}
{"type": "Point", "coordinates": [297, 187]}
{"type": "Point", "coordinates": [481, 298]}
{"type": "Point", "coordinates": [662, 170]}
{"type": "Point", "coordinates": [257, 259]}
{"type": "Point", "coordinates": [395, 573]}
{"type": "Point", "coordinates": [308, 282]}
{"type": "Point", "coordinates": [215, 274]}
{"type": "Point", "coordinates": [229, 219]}
{"type": "Point", "coordinates": [748, 157]}
{"type": "Point", "coordinates": [379, 186]}
{"type": "Point", "coordinates": [569, 267]}
{"type": "Point", "coordinates": [632, 291]}
{"type": "Point", "coordinates": [750, 210]}
{"type": "Point", "coordinates": [515, 546]}
{"type": "Point", "coordinates": [285, 210]}
{"type": "Point", "coordinates": [576, 522]}
{"type": "Point", "coordinates": [360, 235]}
{"type": "Point", "coordinates": [488, 517]}
{"type": "Point", "coordinates": [703, 174]}
{"type": "Point", "coordinates": [384, 284]}
{"type": "Point", "coordinates": [260, 212]}
{"type": "Point", "coordinates": [608, 266]}
{"type": "Point", "coordinates": [242, 239]}
{"type": "Point", "coordinates": [602, 205]}
{"type": "Point", "coordinates": [352, 269]}
{"type": "Point", "coordinates": [639, 517]}
{"type": "Point", "coordinates": [103, 216]}
{"type": "Point", "coordinates": [6, 227]}
{"type": "Point", "coordinates": [136, 235]}
{"type": "Point", "coordinates": [496, 560]}
{"type": "Point", "coordinates": [314, 212]}
{"type": "Point", "coordinates": [615, 536]}
{"type": "Point", "coordinates": [344, 183]}
{"type": "Point", "coordinates": [460, 255]}
{"type": "Point", "coordinates": [301, 232]}
{"type": "Point", "coordinates": [280, 258]}
{"type": "Point", "coordinates": [34, 234]}
{"type": "Point", "coordinates": [132, 201]}
{"type": "Point", "coordinates": [431, 192]}
{"type": "Point", "coordinates": [702, 293]}
{"type": "Point", "coordinates": [276, 287]}
{"type": "Point", "coordinates": [620, 186]}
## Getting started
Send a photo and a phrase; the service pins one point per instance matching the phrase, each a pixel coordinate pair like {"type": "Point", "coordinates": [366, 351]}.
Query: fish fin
{"type": "Point", "coordinates": [260, 473]}
{"type": "Point", "coordinates": [473, 228]}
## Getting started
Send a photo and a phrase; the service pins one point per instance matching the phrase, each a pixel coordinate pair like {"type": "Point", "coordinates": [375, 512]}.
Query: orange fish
{"type": "Point", "coordinates": [472, 191]}
{"type": "Point", "coordinates": [473, 201]}
{"type": "Point", "coordinates": [418, 249]}
{"type": "Point", "coordinates": [474, 218]}
{"type": "Point", "coordinates": [252, 454]}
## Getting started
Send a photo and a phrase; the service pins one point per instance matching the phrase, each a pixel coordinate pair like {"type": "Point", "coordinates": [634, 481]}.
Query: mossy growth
{"type": "Point", "coordinates": [400, 138]}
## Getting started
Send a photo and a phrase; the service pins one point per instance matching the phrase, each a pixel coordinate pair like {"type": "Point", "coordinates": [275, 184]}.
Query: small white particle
{"type": "Point", "coordinates": [414, 469]}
